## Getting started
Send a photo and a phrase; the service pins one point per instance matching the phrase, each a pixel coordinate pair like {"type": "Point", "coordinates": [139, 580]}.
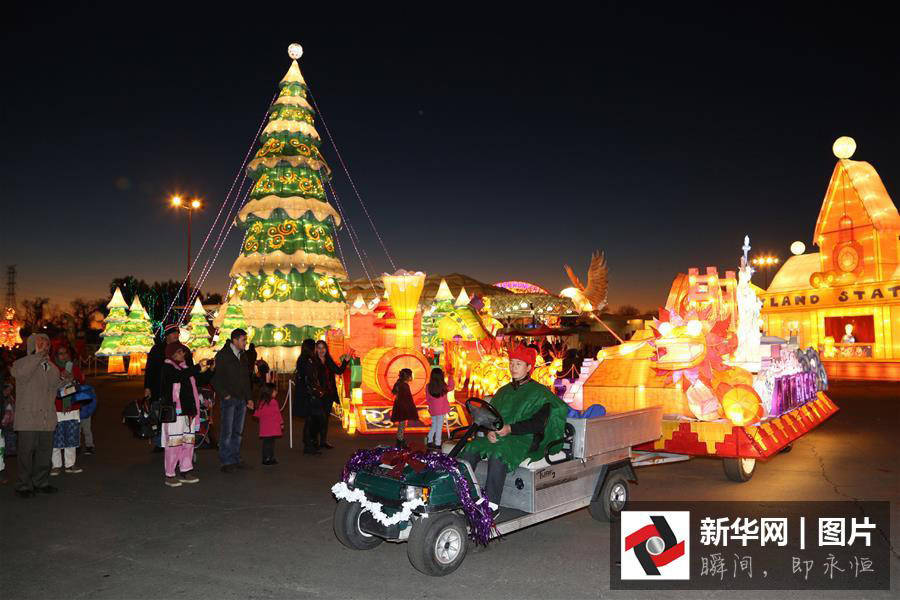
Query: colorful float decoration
{"type": "Point", "coordinates": [9, 329]}
{"type": "Point", "coordinates": [687, 363]}
{"type": "Point", "coordinates": [387, 337]}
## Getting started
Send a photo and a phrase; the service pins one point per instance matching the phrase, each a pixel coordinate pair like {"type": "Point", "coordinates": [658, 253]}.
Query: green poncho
{"type": "Point", "coordinates": [516, 405]}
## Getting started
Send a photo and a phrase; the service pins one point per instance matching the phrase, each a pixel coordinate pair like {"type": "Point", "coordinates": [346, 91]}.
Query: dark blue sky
{"type": "Point", "coordinates": [480, 144]}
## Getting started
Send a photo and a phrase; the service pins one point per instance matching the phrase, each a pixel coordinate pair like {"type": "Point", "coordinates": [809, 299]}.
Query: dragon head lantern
{"type": "Point", "coordinates": [693, 337]}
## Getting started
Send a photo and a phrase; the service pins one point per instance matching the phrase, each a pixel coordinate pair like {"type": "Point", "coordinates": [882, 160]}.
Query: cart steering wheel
{"type": "Point", "coordinates": [484, 414]}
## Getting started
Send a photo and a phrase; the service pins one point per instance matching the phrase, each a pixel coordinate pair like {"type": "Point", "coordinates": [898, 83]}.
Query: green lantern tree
{"type": "Point", "coordinates": [233, 319]}
{"type": "Point", "coordinates": [138, 331]}
{"type": "Point", "coordinates": [443, 305]}
{"type": "Point", "coordinates": [113, 331]}
{"type": "Point", "coordinates": [199, 327]}
{"type": "Point", "coordinates": [287, 275]}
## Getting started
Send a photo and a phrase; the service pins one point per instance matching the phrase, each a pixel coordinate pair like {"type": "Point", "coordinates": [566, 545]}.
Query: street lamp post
{"type": "Point", "coordinates": [190, 207]}
{"type": "Point", "coordinates": [765, 262]}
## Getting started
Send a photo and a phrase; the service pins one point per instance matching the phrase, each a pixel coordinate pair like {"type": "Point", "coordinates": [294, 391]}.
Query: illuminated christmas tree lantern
{"type": "Point", "coordinates": [137, 338]}
{"type": "Point", "coordinates": [115, 329]}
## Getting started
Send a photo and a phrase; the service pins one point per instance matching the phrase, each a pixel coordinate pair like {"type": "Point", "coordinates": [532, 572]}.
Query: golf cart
{"type": "Point", "coordinates": [404, 502]}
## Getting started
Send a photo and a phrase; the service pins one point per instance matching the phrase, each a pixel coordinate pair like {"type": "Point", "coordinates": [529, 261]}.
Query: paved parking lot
{"type": "Point", "coordinates": [115, 531]}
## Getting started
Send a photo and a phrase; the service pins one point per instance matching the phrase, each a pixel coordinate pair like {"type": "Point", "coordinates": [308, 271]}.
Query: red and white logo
{"type": "Point", "coordinates": [655, 545]}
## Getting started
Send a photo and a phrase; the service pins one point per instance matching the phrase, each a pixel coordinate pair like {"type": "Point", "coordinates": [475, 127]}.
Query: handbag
{"type": "Point", "coordinates": [167, 413]}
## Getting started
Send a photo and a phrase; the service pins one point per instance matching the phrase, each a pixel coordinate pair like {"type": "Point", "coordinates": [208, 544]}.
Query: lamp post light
{"type": "Point", "coordinates": [765, 263]}
{"type": "Point", "coordinates": [190, 207]}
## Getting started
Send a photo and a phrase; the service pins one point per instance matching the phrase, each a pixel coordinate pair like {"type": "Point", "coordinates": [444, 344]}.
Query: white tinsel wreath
{"type": "Point", "coordinates": [343, 492]}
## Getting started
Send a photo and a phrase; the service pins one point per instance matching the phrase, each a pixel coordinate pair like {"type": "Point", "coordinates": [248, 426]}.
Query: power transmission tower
{"type": "Point", "coordinates": [11, 286]}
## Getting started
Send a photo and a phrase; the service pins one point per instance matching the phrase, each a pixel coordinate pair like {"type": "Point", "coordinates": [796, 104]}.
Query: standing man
{"type": "Point", "coordinates": [37, 382]}
{"type": "Point", "coordinates": [153, 374]}
{"type": "Point", "coordinates": [232, 384]}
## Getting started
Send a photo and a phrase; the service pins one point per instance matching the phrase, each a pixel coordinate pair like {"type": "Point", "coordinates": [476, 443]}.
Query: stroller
{"type": "Point", "coordinates": [137, 417]}
{"type": "Point", "coordinates": [204, 437]}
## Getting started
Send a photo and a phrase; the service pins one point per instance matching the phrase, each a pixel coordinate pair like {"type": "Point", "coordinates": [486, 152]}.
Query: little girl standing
{"type": "Point", "coordinates": [271, 423]}
{"type": "Point", "coordinates": [404, 407]}
{"type": "Point", "coordinates": [436, 395]}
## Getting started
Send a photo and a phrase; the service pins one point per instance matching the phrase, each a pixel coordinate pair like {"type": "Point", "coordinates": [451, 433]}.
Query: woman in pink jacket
{"type": "Point", "coordinates": [271, 423]}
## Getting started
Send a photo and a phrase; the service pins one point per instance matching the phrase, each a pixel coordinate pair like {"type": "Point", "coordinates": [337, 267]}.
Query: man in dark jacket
{"type": "Point", "coordinates": [232, 384]}
{"type": "Point", "coordinates": [153, 373]}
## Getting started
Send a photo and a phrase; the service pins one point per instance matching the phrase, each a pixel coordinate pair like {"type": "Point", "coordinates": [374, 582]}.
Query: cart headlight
{"type": "Point", "coordinates": [411, 492]}
{"type": "Point", "coordinates": [351, 478]}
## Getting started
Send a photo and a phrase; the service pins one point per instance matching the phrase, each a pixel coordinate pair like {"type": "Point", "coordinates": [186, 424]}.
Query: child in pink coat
{"type": "Point", "coordinates": [271, 423]}
{"type": "Point", "coordinates": [438, 406]}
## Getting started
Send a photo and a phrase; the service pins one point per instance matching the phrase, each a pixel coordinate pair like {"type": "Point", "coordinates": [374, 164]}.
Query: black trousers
{"type": "Point", "coordinates": [34, 452]}
{"type": "Point", "coordinates": [323, 425]}
{"type": "Point", "coordinates": [323, 429]}
{"type": "Point", "coordinates": [268, 448]}
{"type": "Point", "coordinates": [312, 427]}
{"type": "Point", "coordinates": [496, 475]}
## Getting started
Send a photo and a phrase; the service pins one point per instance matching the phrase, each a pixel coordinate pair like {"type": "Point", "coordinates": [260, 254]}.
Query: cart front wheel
{"type": "Point", "coordinates": [739, 469]}
{"type": "Point", "coordinates": [346, 527]}
{"type": "Point", "coordinates": [608, 505]}
{"type": "Point", "coordinates": [438, 544]}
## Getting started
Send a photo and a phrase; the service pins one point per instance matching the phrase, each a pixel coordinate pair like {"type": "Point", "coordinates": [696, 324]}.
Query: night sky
{"type": "Point", "coordinates": [480, 145]}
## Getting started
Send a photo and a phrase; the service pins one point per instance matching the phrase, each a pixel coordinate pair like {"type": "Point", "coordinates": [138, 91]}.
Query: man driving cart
{"type": "Point", "coordinates": [533, 415]}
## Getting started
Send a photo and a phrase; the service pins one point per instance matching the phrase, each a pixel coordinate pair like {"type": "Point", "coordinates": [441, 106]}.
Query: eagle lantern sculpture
{"type": "Point", "coordinates": [590, 298]}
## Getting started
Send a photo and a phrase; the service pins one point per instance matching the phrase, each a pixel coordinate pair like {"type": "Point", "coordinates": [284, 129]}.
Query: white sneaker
{"type": "Point", "coordinates": [74, 469]}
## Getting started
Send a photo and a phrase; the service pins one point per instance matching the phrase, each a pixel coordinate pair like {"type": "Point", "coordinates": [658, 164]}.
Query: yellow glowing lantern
{"type": "Point", "coordinates": [135, 363]}
{"type": "Point", "coordinates": [116, 364]}
{"type": "Point", "coordinates": [357, 396]}
{"type": "Point", "coordinates": [798, 248]}
{"type": "Point", "coordinates": [404, 289]}
{"type": "Point", "coordinates": [844, 147]}
{"type": "Point", "coordinates": [694, 327]}
{"type": "Point", "coordinates": [742, 405]}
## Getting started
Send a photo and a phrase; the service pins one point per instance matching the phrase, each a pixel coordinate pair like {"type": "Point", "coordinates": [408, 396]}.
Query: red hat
{"type": "Point", "coordinates": [525, 354]}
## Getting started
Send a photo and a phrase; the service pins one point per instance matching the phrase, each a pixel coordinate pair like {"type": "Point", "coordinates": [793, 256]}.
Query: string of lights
{"type": "Point", "coordinates": [227, 222]}
{"type": "Point", "coordinates": [350, 179]}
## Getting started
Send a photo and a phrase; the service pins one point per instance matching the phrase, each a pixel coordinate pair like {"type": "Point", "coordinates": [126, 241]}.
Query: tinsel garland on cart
{"type": "Point", "coordinates": [478, 513]}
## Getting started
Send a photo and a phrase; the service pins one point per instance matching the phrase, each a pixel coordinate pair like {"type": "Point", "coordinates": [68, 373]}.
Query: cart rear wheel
{"type": "Point", "coordinates": [438, 544]}
{"type": "Point", "coordinates": [739, 469]}
{"type": "Point", "coordinates": [612, 499]}
{"type": "Point", "coordinates": [346, 527]}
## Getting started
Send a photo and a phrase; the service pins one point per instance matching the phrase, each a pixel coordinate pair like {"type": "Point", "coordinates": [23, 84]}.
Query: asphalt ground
{"type": "Point", "coordinates": [115, 531]}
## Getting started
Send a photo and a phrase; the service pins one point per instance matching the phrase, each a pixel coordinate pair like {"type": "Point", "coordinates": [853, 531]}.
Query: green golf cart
{"type": "Point", "coordinates": [409, 501]}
